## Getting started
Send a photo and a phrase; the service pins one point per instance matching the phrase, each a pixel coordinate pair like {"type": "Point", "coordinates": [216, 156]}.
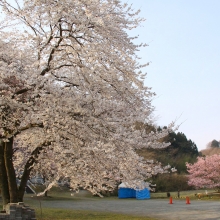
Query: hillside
{"type": "Point", "coordinates": [210, 151]}
{"type": "Point", "coordinates": [177, 154]}
{"type": "Point", "coordinates": [180, 151]}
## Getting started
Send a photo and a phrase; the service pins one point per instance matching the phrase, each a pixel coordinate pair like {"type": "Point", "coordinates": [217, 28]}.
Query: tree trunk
{"type": "Point", "coordinates": [46, 193]}
{"type": "Point", "coordinates": [3, 178]}
{"type": "Point", "coordinates": [16, 194]}
{"type": "Point", "coordinates": [27, 171]}
{"type": "Point", "coordinates": [11, 176]}
{"type": "Point", "coordinates": [24, 179]}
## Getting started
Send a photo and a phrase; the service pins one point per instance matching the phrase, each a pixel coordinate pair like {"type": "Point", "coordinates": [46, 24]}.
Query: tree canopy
{"type": "Point", "coordinates": [213, 144]}
{"type": "Point", "coordinates": [205, 173]}
{"type": "Point", "coordinates": [71, 91]}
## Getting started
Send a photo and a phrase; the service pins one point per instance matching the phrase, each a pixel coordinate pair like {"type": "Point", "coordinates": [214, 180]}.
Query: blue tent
{"type": "Point", "coordinates": [143, 194]}
{"type": "Point", "coordinates": [125, 192]}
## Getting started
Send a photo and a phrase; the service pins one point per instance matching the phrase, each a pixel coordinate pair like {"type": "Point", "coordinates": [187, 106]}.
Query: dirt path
{"type": "Point", "coordinates": [158, 208]}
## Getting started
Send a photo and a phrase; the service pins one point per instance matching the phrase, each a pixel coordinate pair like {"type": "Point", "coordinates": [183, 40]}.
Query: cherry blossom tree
{"type": "Point", "coordinates": [71, 91]}
{"type": "Point", "coordinates": [205, 172]}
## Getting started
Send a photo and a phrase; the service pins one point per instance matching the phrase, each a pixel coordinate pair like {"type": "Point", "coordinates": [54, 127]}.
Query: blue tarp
{"type": "Point", "coordinates": [126, 193]}
{"type": "Point", "coordinates": [143, 194]}
{"type": "Point", "coordinates": [132, 193]}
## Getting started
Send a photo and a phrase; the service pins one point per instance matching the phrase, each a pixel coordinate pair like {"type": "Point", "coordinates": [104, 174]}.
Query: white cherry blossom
{"type": "Point", "coordinates": [71, 91]}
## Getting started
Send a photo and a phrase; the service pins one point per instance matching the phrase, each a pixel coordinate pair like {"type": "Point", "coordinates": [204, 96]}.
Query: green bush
{"type": "Point", "coordinates": [171, 182]}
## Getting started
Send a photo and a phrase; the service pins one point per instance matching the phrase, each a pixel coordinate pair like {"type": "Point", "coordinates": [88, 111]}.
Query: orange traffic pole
{"type": "Point", "coordinates": [187, 200]}
{"type": "Point", "coordinates": [171, 200]}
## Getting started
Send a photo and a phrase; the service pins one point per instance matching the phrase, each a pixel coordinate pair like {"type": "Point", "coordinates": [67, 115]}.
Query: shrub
{"type": "Point", "coordinates": [171, 182]}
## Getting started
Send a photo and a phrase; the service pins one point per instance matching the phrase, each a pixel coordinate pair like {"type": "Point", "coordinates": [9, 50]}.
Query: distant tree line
{"type": "Point", "coordinates": [180, 151]}
{"type": "Point", "coordinates": [213, 144]}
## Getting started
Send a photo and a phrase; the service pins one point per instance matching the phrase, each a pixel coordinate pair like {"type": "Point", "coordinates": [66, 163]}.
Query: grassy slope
{"type": "Point", "coordinates": [210, 151]}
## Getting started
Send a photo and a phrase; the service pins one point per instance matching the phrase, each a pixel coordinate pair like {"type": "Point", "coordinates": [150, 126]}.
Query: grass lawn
{"type": "Point", "coordinates": [60, 214]}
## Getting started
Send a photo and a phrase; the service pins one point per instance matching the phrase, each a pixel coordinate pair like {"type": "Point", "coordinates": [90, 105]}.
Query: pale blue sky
{"type": "Point", "coordinates": [184, 51]}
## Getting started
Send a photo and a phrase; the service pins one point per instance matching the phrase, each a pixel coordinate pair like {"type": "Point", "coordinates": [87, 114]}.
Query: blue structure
{"type": "Point", "coordinates": [125, 192]}
{"type": "Point", "coordinates": [143, 194]}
